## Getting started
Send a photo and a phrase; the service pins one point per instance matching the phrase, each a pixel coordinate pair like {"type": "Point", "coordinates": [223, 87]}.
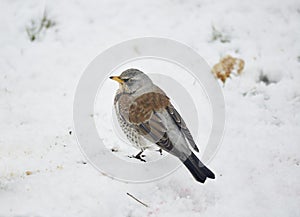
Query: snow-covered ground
{"type": "Point", "coordinates": [42, 171]}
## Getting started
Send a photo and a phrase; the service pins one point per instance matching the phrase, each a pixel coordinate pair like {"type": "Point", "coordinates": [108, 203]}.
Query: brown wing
{"type": "Point", "coordinates": [142, 107]}
{"type": "Point", "coordinates": [143, 114]}
{"type": "Point", "coordinates": [182, 126]}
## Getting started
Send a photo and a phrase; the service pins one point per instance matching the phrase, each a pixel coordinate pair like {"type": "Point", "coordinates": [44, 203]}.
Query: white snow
{"type": "Point", "coordinates": [257, 166]}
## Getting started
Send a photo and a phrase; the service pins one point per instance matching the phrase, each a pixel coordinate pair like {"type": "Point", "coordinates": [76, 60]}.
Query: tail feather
{"type": "Point", "coordinates": [198, 169]}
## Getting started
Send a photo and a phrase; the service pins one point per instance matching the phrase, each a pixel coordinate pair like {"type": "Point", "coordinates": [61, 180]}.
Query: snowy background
{"type": "Point", "coordinates": [42, 171]}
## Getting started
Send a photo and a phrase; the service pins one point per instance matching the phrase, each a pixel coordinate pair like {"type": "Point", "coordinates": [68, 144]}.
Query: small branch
{"type": "Point", "coordinates": [130, 195]}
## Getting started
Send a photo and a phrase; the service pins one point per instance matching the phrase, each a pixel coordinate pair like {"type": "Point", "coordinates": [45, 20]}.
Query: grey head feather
{"type": "Point", "coordinates": [129, 73]}
{"type": "Point", "coordinates": [135, 81]}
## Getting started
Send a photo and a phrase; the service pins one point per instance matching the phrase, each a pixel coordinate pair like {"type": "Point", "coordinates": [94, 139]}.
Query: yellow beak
{"type": "Point", "coordinates": [117, 78]}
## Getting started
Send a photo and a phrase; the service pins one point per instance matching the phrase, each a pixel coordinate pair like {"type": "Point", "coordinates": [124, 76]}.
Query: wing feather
{"type": "Point", "coordinates": [144, 115]}
{"type": "Point", "coordinates": [182, 126]}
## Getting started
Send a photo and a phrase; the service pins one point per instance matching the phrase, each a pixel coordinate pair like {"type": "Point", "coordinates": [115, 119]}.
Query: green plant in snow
{"type": "Point", "coordinates": [37, 27]}
{"type": "Point", "coordinates": [219, 36]}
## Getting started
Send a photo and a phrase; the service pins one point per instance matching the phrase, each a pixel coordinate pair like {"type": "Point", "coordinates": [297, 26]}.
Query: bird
{"type": "Point", "coordinates": [149, 120]}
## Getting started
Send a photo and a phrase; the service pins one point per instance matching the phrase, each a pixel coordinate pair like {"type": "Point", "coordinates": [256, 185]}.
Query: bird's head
{"type": "Point", "coordinates": [132, 80]}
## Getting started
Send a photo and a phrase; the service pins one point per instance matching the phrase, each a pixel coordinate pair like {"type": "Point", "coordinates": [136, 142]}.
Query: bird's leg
{"type": "Point", "coordinates": [139, 156]}
{"type": "Point", "coordinates": [160, 151]}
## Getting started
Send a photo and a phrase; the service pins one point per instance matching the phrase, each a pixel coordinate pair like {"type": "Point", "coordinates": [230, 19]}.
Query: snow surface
{"type": "Point", "coordinates": [43, 172]}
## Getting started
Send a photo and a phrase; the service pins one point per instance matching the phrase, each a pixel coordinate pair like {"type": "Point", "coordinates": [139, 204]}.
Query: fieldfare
{"type": "Point", "coordinates": [149, 120]}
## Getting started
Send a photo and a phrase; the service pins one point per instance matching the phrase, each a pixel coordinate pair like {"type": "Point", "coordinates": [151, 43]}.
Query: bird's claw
{"type": "Point", "coordinates": [160, 151]}
{"type": "Point", "coordinates": [139, 156]}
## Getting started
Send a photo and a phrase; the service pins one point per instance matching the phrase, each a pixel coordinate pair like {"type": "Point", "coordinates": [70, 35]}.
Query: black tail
{"type": "Point", "coordinates": [198, 169]}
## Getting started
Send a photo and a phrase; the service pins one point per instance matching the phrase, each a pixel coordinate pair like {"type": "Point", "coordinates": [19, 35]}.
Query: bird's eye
{"type": "Point", "coordinates": [126, 79]}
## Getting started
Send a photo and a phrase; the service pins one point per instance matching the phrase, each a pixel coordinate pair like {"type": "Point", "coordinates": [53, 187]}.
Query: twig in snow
{"type": "Point", "coordinates": [130, 195]}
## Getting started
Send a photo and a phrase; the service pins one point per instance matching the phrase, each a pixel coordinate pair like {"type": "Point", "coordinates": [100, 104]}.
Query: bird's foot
{"type": "Point", "coordinates": [139, 156]}
{"type": "Point", "coordinates": [160, 151]}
